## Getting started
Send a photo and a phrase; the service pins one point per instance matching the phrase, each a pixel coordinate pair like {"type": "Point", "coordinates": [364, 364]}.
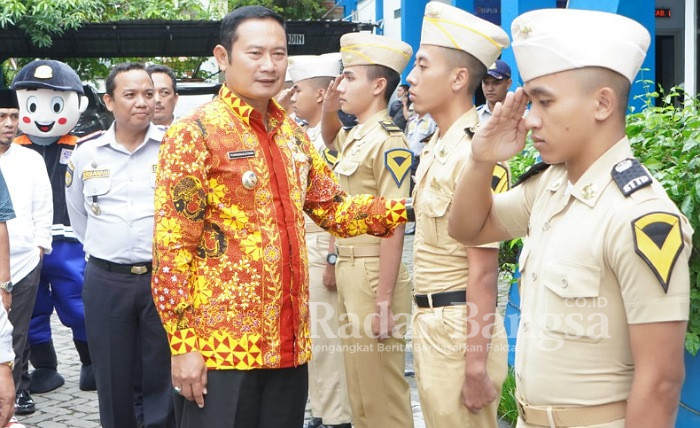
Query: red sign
{"type": "Point", "coordinates": [662, 13]}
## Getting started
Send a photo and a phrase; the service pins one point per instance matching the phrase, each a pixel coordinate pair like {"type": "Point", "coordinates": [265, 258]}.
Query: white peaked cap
{"type": "Point", "coordinates": [310, 66]}
{"type": "Point", "coordinates": [547, 41]}
{"type": "Point", "coordinates": [451, 27]}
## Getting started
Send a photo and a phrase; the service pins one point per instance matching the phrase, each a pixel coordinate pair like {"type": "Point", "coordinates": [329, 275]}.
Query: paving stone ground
{"type": "Point", "coordinates": [69, 407]}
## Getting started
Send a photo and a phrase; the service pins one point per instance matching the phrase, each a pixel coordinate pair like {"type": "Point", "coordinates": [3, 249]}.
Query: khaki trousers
{"type": "Point", "coordinates": [328, 392]}
{"type": "Point", "coordinates": [620, 423]}
{"type": "Point", "coordinates": [379, 393]}
{"type": "Point", "coordinates": [439, 348]}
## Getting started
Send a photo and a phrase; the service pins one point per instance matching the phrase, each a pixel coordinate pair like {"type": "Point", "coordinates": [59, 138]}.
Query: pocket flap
{"type": "Point", "coordinates": [96, 186]}
{"type": "Point", "coordinates": [435, 204]}
{"type": "Point", "coordinates": [346, 167]}
{"type": "Point", "coordinates": [572, 280]}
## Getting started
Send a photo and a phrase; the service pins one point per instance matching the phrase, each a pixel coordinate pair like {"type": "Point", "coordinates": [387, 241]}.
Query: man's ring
{"type": "Point", "coordinates": [177, 389]}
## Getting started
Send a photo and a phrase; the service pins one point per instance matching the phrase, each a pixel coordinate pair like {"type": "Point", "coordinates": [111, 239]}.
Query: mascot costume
{"type": "Point", "coordinates": [51, 99]}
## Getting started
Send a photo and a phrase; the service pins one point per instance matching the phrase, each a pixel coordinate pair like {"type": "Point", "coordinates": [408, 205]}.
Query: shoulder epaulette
{"type": "Point", "coordinates": [533, 171]}
{"type": "Point", "coordinates": [471, 130]}
{"type": "Point", "coordinates": [390, 126]}
{"type": "Point", "coordinates": [89, 137]}
{"type": "Point", "coordinates": [23, 140]}
{"type": "Point", "coordinates": [630, 176]}
{"type": "Point", "coordinates": [427, 139]}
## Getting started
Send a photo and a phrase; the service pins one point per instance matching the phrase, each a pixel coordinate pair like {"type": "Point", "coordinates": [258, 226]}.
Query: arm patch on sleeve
{"type": "Point", "coordinates": [331, 156]}
{"type": "Point", "coordinates": [658, 241]}
{"type": "Point", "coordinates": [398, 163]}
{"type": "Point", "coordinates": [630, 176]}
{"type": "Point", "coordinates": [69, 173]}
{"type": "Point", "coordinates": [500, 181]}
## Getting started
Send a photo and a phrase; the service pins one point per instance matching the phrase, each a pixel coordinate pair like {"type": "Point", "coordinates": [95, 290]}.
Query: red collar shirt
{"type": "Point", "coordinates": [230, 275]}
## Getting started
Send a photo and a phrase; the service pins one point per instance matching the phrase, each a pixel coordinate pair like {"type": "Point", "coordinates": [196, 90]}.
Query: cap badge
{"type": "Point", "coordinates": [525, 28]}
{"type": "Point", "coordinates": [43, 72]}
{"type": "Point", "coordinates": [432, 11]}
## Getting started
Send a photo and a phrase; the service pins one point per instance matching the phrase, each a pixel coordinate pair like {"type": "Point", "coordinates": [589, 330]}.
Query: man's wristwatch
{"type": "Point", "coordinates": [331, 258]}
{"type": "Point", "coordinates": [6, 286]}
{"type": "Point", "coordinates": [10, 364]}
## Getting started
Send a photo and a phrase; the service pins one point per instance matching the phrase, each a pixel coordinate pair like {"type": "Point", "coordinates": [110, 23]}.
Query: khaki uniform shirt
{"type": "Point", "coordinates": [363, 166]}
{"type": "Point", "coordinates": [585, 278]}
{"type": "Point", "coordinates": [440, 262]}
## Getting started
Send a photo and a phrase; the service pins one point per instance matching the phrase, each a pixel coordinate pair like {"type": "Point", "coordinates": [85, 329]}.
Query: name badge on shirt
{"type": "Point", "coordinates": [95, 173]}
{"type": "Point", "coordinates": [65, 156]}
{"type": "Point", "coordinates": [242, 154]}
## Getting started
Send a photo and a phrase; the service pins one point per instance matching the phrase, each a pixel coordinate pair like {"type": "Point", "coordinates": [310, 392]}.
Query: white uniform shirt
{"type": "Point", "coordinates": [110, 196]}
{"type": "Point", "coordinates": [30, 189]}
{"type": "Point", "coordinates": [6, 352]}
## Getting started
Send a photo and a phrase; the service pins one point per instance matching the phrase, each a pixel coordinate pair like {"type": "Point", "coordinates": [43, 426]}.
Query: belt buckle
{"type": "Point", "coordinates": [139, 270]}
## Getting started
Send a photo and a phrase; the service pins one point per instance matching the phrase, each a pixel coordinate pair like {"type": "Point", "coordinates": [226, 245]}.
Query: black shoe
{"type": "Point", "coordinates": [24, 405]}
{"type": "Point", "coordinates": [335, 426]}
{"type": "Point", "coordinates": [45, 380]}
{"type": "Point", "coordinates": [314, 423]}
{"type": "Point", "coordinates": [87, 378]}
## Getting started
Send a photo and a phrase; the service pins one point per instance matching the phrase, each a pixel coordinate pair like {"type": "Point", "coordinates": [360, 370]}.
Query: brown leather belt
{"type": "Point", "coordinates": [437, 300]}
{"type": "Point", "coordinates": [136, 269]}
{"type": "Point", "coordinates": [572, 416]}
{"type": "Point", "coordinates": [353, 251]}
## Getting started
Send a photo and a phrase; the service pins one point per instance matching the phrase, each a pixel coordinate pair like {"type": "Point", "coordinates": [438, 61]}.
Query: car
{"type": "Point", "coordinates": [192, 95]}
{"type": "Point", "coordinates": [96, 117]}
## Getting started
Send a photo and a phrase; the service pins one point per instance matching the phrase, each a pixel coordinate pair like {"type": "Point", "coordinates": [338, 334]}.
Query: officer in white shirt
{"type": "Point", "coordinates": [110, 197]}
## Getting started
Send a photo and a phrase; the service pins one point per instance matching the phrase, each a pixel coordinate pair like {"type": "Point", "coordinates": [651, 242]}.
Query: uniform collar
{"type": "Point", "coordinates": [153, 133]}
{"type": "Point", "coordinates": [359, 131]}
{"type": "Point", "coordinates": [597, 177]}
{"type": "Point", "coordinates": [245, 112]}
{"type": "Point", "coordinates": [456, 132]}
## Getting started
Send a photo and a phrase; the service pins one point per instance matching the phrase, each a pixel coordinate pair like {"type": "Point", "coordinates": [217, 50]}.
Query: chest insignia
{"type": "Point", "coordinates": [249, 180]}
{"type": "Point", "coordinates": [659, 242]}
{"type": "Point", "coordinates": [588, 192]}
{"type": "Point", "coordinates": [630, 176]}
{"type": "Point", "coordinates": [398, 163]}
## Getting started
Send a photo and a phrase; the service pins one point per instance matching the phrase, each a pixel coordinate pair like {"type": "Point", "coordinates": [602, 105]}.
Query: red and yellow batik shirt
{"type": "Point", "coordinates": [230, 275]}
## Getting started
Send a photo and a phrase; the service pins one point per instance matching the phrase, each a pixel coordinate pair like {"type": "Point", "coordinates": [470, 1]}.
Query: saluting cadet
{"type": "Point", "coordinates": [373, 284]}
{"type": "Point", "coordinates": [109, 191]}
{"type": "Point", "coordinates": [605, 283]}
{"type": "Point", "coordinates": [459, 341]}
{"type": "Point", "coordinates": [235, 178]}
{"type": "Point", "coordinates": [327, 387]}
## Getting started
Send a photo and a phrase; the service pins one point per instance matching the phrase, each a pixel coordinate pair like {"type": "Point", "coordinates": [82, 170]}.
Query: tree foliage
{"type": "Point", "coordinates": [289, 9]}
{"type": "Point", "coordinates": [666, 139]}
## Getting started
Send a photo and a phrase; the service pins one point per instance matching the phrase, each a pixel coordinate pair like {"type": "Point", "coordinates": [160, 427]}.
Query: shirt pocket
{"type": "Point", "coordinates": [96, 187]}
{"type": "Point", "coordinates": [433, 210]}
{"type": "Point", "coordinates": [572, 307]}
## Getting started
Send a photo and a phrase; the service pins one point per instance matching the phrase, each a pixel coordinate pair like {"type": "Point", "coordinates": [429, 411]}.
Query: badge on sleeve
{"type": "Point", "coordinates": [398, 163]}
{"type": "Point", "coordinates": [500, 181]}
{"type": "Point", "coordinates": [658, 241]}
{"type": "Point", "coordinates": [331, 156]}
{"type": "Point", "coordinates": [69, 173]}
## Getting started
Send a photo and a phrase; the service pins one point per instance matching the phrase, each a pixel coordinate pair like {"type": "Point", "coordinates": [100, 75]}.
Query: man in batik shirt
{"type": "Point", "coordinates": [230, 278]}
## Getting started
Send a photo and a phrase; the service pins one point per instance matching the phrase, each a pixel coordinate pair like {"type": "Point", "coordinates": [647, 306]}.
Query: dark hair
{"type": "Point", "coordinates": [230, 23]}
{"type": "Point", "coordinates": [376, 71]}
{"type": "Point", "coordinates": [110, 84]}
{"type": "Point", "coordinates": [404, 86]}
{"type": "Point", "coordinates": [461, 59]}
{"type": "Point", "coordinates": [159, 68]}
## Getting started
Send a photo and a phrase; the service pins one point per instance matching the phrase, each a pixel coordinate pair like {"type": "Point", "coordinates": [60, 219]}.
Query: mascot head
{"type": "Point", "coordinates": [51, 98]}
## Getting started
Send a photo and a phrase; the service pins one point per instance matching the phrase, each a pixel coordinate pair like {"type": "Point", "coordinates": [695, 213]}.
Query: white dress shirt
{"type": "Point", "coordinates": [6, 352]}
{"type": "Point", "coordinates": [30, 189]}
{"type": "Point", "coordinates": [109, 195]}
